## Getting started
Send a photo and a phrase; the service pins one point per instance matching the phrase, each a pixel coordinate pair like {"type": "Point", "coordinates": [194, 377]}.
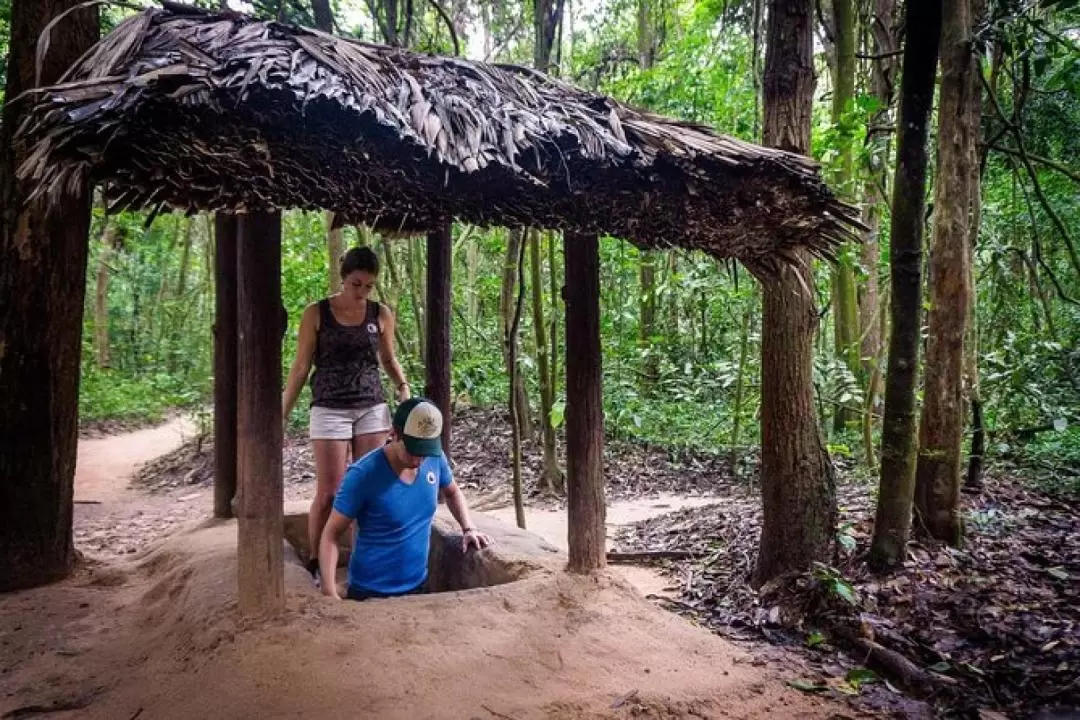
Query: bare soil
{"type": "Point", "coordinates": [148, 628]}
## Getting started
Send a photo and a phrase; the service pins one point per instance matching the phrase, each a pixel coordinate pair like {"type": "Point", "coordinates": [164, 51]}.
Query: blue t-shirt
{"type": "Point", "coordinates": [393, 521]}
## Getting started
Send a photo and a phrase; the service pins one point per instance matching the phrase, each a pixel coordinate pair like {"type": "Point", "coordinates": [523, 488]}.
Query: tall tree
{"type": "Point", "coordinates": [109, 245]}
{"type": "Point", "coordinates": [515, 238]}
{"type": "Point", "coordinates": [798, 482]}
{"type": "Point", "coordinates": [882, 26]}
{"type": "Point", "coordinates": [548, 18]}
{"type": "Point", "coordinates": [892, 524]}
{"type": "Point", "coordinates": [42, 287]}
{"type": "Point", "coordinates": [646, 49]}
{"type": "Point", "coordinates": [845, 305]}
{"type": "Point", "coordinates": [941, 429]}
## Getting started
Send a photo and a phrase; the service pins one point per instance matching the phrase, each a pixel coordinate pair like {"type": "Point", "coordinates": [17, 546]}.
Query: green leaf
{"type": "Point", "coordinates": [807, 685]}
{"type": "Point", "coordinates": [814, 639]}
{"type": "Point", "coordinates": [846, 592]}
{"type": "Point", "coordinates": [1058, 572]}
{"type": "Point", "coordinates": [847, 542]}
{"type": "Point", "coordinates": [941, 667]}
{"type": "Point", "coordinates": [859, 676]}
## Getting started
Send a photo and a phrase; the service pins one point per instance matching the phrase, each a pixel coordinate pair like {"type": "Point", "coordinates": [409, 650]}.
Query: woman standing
{"type": "Point", "coordinates": [345, 336]}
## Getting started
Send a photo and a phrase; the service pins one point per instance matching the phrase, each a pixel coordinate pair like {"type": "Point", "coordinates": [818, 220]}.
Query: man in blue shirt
{"type": "Point", "coordinates": [392, 493]}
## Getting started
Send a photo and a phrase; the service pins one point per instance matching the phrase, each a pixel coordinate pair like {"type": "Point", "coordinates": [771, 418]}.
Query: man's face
{"type": "Point", "coordinates": [407, 459]}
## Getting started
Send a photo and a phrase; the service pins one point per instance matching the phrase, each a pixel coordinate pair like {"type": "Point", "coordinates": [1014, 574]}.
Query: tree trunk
{"type": "Point", "coordinates": [892, 524]}
{"type": "Point", "coordinates": [941, 430]}
{"type": "Point", "coordinates": [225, 364]}
{"type": "Point", "coordinates": [506, 312]}
{"type": "Point", "coordinates": [413, 267]}
{"type": "Point", "coordinates": [740, 381]}
{"type": "Point", "coordinates": [551, 477]}
{"type": "Point", "coordinates": [260, 558]}
{"type": "Point", "coordinates": [437, 368]}
{"type": "Point", "coordinates": [553, 269]}
{"type": "Point", "coordinates": [973, 480]}
{"type": "Point", "coordinates": [109, 243]}
{"type": "Point", "coordinates": [797, 477]}
{"type": "Point", "coordinates": [43, 256]}
{"type": "Point", "coordinates": [871, 310]}
{"type": "Point", "coordinates": [515, 406]}
{"type": "Point", "coordinates": [650, 368]}
{"type": "Point", "coordinates": [324, 20]}
{"type": "Point", "coordinates": [335, 249]}
{"type": "Point", "coordinates": [584, 404]}
{"type": "Point", "coordinates": [845, 305]}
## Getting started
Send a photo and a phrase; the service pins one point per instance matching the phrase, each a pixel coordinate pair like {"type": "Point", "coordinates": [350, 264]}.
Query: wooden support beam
{"type": "Point", "coordinates": [584, 404]}
{"type": "Point", "coordinates": [437, 365]}
{"type": "Point", "coordinates": [225, 300]}
{"type": "Point", "coordinates": [260, 560]}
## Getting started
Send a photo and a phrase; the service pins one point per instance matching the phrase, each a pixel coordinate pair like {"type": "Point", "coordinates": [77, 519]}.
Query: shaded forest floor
{"type": "Point", "coordinates": [997, 623]}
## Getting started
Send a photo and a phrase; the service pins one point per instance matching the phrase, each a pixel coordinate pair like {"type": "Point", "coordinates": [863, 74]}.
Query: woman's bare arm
{"type": "Point", "coordinates": [305, 355]}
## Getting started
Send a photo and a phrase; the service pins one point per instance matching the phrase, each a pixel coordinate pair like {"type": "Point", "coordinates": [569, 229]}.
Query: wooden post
{"type": "Point", "coordinates": [260, 561]}
{"type": "Point", "coordinates": [224, 364]}
{"type": "Point", "coordinates": [584, 404]}
{"type": "Point", "coordinates": [437, 365]}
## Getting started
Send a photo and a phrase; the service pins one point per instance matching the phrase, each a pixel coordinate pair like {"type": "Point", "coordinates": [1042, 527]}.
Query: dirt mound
{"type": "Point", "coordinates": [159, 637]}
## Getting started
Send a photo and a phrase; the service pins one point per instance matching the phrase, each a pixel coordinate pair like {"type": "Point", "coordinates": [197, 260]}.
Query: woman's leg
{"type": "Point", "coordinates": [370, 430]}
{"type": "Point", "coordinates": [331, 458]}
{"type": "Point", "coordinates": [363, 444]}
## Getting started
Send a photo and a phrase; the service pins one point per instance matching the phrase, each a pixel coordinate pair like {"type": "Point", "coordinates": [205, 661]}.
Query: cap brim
{"type": "Point", "coordinates": [423, 447]}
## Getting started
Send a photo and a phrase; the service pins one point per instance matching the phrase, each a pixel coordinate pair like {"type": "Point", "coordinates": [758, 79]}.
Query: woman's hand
{"type": "Point", "coordinates": [403, 392]}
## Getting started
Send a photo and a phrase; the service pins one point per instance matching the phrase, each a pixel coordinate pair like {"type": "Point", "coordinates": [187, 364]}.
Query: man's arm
{"type": "Point", "coordinates": [328, 552]}
{"type": "Point", "coordinates": [455, 501]}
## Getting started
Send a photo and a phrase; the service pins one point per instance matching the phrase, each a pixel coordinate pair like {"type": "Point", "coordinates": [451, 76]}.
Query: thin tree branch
{"type": "Point", "coordinates": [1034, 176]}
{"type": "Point", "coordinates": [449, 25]}
{"type": "Point", "coordinates": [879, 56]}
{"type": "Point", "coordinates": [1071, 174]}
{"type": "Point", "coordinates": [1036, 245]}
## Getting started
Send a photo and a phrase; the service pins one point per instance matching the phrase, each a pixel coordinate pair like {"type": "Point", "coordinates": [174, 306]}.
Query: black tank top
{"type": "Point", "coordinates": [347, 361]}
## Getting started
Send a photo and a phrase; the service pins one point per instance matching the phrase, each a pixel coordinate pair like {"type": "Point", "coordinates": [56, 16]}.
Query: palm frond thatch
{"type": "Point", "coordinates": [203, 111]}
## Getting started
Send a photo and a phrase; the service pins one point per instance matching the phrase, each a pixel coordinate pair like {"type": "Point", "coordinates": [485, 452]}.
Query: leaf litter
{"type": "Point", "coordinates": [1000, 616]}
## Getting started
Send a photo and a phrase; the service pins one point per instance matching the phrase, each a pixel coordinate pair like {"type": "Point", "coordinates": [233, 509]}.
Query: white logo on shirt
{"type": "Point", "coordinates": [373, 328]}
{"type": "Point", "coordinates": [431, 478]}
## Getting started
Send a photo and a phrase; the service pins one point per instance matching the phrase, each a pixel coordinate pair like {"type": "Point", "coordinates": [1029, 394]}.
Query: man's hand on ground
{"type": "Point", "coordinates": [473, 537]}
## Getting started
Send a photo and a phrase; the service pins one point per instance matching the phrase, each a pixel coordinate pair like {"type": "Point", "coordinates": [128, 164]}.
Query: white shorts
{"type": "Point", "coordinates": [345, 423]}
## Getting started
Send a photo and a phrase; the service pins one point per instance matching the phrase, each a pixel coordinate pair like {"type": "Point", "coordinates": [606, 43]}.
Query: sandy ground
{"type": "Point", "coordinates": [150, 630]}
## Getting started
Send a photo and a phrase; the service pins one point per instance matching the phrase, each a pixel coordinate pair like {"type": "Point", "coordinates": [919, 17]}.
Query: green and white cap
{"type": "Point", "coordinates": [419, 423]}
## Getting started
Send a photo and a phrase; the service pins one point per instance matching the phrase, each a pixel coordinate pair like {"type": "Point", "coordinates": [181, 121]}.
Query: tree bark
{"type": "Point", "coordinates": [324, 20]}
{"type": "Point", "coordinates": [109, 242]}
{"type": "Point", "coordinates": [892, 524]}
{"type": "Point", "coordinates": [584, 405]}
{"type": "Point", "coordinates": [413, 267]}
{"type": "Point", "coordinates": [845, 305]}
{"type": "Point", "coordinates": [516, 236]}
{"type": "Point", "coordinates": [225, 364]}
{"type": "Point", "coordinates": [941, 429]}
{"type": "Point", "coordinates": [43, 257]}
{"type": "Point", "coordinates": [551, 477]}
{"type": "Point", "coordinates": [335, 249]}
{"type": "Point", "coordinates": [871, 312]}
{"type": "Point", "coordinates": [797, 477]}
{"type": "Point", "coordinates": [438, 367]}
{"type": "Point", "coordinates": [260, 559]}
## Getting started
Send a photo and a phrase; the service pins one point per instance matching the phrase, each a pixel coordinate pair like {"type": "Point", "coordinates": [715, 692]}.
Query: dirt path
{"type": "Point", "coordinates": [106, 464]}
{"type": "Point", "coordinates": [552, 526]}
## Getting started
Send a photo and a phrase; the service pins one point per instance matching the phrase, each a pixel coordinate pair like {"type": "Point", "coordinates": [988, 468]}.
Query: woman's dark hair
{"type": "Point", "coordinates": [359, 258]}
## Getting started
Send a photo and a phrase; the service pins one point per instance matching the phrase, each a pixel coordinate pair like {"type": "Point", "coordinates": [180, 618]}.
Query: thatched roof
{"type": "Point", "coordinates": [203, 111]}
